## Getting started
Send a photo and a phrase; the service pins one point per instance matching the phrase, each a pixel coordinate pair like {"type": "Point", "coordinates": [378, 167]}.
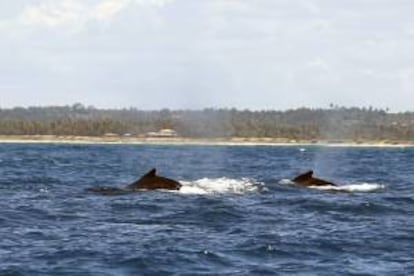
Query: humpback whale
{"type": "Point", "coordinates": [149, 181]}
{"type": "Point", "coordinates": [307, 179]}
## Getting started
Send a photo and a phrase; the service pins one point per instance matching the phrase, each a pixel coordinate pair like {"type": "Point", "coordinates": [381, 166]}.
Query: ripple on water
{"type": "Point", "coordinates": [235, 218]}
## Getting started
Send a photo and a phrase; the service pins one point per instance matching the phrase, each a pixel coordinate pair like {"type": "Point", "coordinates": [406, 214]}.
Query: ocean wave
{"type": "Point", "coordinates": [220, 185]}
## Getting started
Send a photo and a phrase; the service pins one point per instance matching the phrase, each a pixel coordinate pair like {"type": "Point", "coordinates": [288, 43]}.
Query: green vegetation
{"type": "Point", "coordinates": [335, 123]}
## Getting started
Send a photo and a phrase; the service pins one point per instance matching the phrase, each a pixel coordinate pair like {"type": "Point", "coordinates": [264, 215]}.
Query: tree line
{"type": "Point", "coordinates": [351, 123]}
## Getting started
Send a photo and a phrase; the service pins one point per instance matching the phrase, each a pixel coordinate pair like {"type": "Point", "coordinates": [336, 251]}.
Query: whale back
{"type": "Point", "coordinates": [151, 181]}
{"type": "Point", "coordinates": [307, 179]}
{"type": "Point", "coordinates": [303, 177]}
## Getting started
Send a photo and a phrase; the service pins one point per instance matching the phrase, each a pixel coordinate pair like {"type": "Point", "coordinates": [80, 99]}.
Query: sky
{"type": "Point", "coordinates": [188, 54]}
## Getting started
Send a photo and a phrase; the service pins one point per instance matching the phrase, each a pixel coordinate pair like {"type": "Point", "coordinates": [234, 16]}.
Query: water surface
{"type": "Point", "coordinates": [236, 214]}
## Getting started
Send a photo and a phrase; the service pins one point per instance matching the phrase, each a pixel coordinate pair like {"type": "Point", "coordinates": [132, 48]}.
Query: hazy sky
{"type": "Point", "coordinates": [257, 54]}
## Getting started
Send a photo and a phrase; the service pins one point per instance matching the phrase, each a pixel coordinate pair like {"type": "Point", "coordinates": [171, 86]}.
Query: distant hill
{"type": "Point", "coordinates": [301, 124]}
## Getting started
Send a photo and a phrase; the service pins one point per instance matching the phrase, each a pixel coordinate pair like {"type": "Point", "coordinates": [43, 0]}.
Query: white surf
{"type": "Point", "coordinates": [220, 185]}
{"type": "Point", "coordinates": [352, 188]}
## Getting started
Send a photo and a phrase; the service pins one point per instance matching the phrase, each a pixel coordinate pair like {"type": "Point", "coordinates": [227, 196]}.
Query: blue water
{"type": "Point", "coordinates": [236, 214]}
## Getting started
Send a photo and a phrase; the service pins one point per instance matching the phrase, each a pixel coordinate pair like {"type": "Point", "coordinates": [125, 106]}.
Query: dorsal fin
{"type": "Point", "coordinates": [308, 174]}
{"type": "Point", "coordinates": [152, 172]}
{"type": "Point", "coordinates": [304, 176]}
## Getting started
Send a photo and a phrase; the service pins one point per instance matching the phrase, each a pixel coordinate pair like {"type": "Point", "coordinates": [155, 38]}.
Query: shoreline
{"type": "Point", "coordinates": [233, 141]}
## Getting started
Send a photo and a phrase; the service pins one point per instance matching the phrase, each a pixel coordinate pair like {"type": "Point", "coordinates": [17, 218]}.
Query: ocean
{"type": "Point", "coordinates": [236, 214]}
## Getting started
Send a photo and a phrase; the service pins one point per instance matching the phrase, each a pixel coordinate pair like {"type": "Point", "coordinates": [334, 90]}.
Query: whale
{"type": "Point", "coordinates": [307, 179]}
{"type": "Point", "coordinates": [149, 181]}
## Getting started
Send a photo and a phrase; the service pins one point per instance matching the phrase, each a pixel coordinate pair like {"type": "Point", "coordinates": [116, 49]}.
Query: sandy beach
{"type": "Point", "coordinates": [233, 141]}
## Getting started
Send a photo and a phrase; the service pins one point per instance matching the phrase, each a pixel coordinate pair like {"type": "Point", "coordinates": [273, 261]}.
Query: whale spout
{"type": "Point", "coordinates": [307, 179]}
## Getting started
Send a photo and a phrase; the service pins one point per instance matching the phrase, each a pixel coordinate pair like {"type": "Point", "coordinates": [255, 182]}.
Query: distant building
{"type": "Point", "coordinates": [110, 134]}
{"type": "Point", "coordinates": [163, 133]}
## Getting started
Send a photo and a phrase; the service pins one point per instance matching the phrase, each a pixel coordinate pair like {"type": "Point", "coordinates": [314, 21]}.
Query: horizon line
{"type": "Point", "coordinates": [78, 105]}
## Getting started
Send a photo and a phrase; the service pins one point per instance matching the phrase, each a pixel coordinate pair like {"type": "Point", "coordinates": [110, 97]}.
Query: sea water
{"type": "Point", "coordinates": [236, 214]}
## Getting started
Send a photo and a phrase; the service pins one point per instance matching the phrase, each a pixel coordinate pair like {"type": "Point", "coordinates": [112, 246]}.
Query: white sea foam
{"type": "Point", "coordinates": [220, 186]}
{"type": "Point", "coordinates": [286, 182]}
{"type": "Point", "coordinates": [356, 187]}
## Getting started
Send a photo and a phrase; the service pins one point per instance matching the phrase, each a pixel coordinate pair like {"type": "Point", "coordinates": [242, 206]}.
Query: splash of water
{"type": "Point", "coordinates": [286, 182]}
{"type": "Point", "coordinates": [221, 185]}
{"type": "Point", "coordinates": [355, 188]}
